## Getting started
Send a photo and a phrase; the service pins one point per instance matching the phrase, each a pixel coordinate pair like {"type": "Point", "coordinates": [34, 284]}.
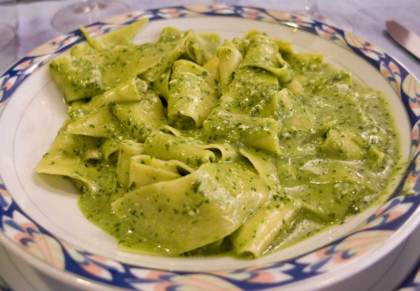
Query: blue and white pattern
{"type": "Point", "coordinates": [37, 241]}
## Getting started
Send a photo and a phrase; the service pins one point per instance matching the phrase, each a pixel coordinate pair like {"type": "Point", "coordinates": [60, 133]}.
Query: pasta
{"type": "Point", "coordinates": [190, 146]}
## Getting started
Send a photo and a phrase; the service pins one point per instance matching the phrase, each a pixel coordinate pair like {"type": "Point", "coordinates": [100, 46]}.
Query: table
{"type": "Point", "coordinates": [367, 17]}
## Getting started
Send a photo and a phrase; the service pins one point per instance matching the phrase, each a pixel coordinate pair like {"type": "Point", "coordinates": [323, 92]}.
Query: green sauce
{"type": "Point", "coordinates": [293, 144]}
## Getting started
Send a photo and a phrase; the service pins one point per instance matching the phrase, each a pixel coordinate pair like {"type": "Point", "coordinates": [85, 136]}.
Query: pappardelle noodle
{"type": "Point", "coordinates": [194, 146]}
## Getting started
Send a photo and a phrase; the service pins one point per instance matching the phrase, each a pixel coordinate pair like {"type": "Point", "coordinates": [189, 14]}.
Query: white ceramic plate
{"type": "Point", "coordinates": [41, 220]}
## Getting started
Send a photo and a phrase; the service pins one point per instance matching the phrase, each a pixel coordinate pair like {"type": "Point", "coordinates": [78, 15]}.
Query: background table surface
{"type": "Point", "coordinates": [366, 16]}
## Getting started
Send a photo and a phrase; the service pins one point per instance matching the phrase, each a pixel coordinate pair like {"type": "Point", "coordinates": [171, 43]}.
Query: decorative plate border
{"type": "Point", "coordinates": [40, 243]}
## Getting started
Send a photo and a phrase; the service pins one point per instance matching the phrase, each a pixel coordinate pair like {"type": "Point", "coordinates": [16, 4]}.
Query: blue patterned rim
{"type": "Point", "coordinates": [18, 229]}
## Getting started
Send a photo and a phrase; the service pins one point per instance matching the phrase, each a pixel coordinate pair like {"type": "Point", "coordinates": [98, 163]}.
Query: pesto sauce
{"type": "Point", "coordinates": [327, 99]}
{"type": "Point", "coordinates": [333, 144]}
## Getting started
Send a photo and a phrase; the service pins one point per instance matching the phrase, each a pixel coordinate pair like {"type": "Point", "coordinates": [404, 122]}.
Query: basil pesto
{"type": "Point", "coordinates": [192, 147]}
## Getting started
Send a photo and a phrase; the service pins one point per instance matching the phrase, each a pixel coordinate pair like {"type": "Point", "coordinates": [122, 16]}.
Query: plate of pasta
{"type": "Point", "coordinates": [208, 147]}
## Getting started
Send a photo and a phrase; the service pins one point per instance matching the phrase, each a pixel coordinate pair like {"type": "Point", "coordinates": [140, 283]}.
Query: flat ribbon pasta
{"type": "Point", "coordinates": [193, 211]}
